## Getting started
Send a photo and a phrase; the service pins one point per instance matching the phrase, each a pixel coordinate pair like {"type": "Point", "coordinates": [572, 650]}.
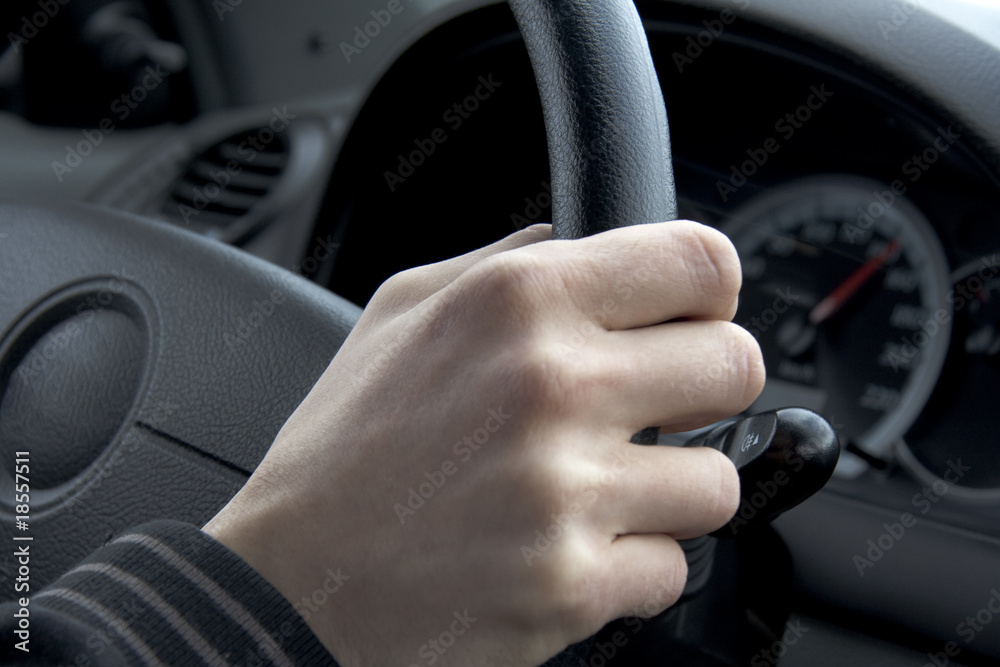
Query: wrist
{"type": "Point", "coordinates": [259, 529]}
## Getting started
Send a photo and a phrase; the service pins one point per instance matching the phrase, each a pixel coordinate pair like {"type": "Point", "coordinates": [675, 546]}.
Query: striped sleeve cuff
{"type": "Point", "coordinates": [168, 594]}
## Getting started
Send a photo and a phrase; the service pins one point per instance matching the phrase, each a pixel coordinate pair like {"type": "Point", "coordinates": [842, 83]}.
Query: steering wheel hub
{"type": "Point", "coordinates": [71, 371]}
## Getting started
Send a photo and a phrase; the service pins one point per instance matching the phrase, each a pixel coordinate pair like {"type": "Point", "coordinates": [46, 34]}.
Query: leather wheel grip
{"type": "Point", "coordinates": [608, 138]}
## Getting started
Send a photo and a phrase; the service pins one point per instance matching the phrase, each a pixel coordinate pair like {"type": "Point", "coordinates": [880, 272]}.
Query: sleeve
{"type": "Point", "coordinates": [162, 594]}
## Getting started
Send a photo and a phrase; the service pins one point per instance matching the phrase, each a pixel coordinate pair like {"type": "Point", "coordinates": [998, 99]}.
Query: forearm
{"type": "Point", "coordinates": [165, 593]}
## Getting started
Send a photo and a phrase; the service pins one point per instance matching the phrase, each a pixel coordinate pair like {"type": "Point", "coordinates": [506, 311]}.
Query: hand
{"type": "Point", "coordinates": [464, 461]}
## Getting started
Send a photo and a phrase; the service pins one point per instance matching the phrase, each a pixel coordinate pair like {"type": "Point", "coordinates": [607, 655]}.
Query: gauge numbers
{"type": "Point", "coordinates": [845, 288]}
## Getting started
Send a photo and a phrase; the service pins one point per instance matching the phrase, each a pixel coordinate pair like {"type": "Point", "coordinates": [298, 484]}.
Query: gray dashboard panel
{"type": "Point", "coordinates": [267, 40]}
{"type": "Point", "coordinates": [923, 51]}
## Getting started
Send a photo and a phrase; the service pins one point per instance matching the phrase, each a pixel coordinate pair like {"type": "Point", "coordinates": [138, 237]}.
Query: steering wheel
{"type": "Point", "coordinates": [144, 371]}
{"type": "Point", "coordinates": [609, 143]}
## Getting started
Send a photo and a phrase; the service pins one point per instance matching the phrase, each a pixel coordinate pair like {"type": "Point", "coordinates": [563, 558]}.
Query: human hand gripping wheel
{"type": "Point", "coordinates": [599, 88]}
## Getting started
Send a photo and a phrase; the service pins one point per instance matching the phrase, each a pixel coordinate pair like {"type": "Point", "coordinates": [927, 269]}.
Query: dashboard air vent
{"type": "Point", "coordinates": [225, 183]}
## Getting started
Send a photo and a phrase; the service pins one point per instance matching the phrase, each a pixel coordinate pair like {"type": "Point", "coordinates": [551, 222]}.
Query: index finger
{"type": "Point", "coordinates": [647, 274]}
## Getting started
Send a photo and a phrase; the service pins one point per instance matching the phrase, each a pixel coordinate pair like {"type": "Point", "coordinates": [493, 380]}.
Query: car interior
{"type": "Point", "coordinates": [200, 196]}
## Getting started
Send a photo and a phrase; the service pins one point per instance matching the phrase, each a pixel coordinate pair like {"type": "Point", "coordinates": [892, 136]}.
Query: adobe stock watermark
{"type": "Point", "coordinates": [967, 629]}
{"type": "Point", "coordinates": [896, 531]}
{"type": "Point", "coordinates": [322, 250]}
{"type": "Point", "coordinates": [787, 127]}
{"type": "Point", "coordinates": [390, 352]}
{"type": "Point", "coordinates": [533, 207]}
{"type": "Point", "coordinates": [913, 170]}
{"type": "Point", "coordinates": [154, 416]}
{"type": "Point", "coordinates": [761, 323]}
{"type": "Point", "coordinates": [381, 18]}
{"type": "Point", "coordinates": [709, 377]}
{"type": "Point", "coordinates": [546, 537]}
{"type": "Point", "coordinates": [260, 312]}
{"type": "Point", "coordinates": [268, 650]}
{"type": "Point", "coordinates": [454, 117]}
{"type": "Point", "coordinates": [696, 45]}
{"type": "Point", "coordinates": [765, 490]}
{"type": "Point", "coordinates": [312, 603]}
{"type": "Point", "coordinates": [223, 7]}
{"type": "Point", "coordinates": [435, 648]}
{"type": "Point", "coordinates": [901, 354]}
{"type": "Point", "coordinates": [248, 150]}
{"type": "Point", "coordinates": [597, 320]}
{"type": "Point", "coordinates": [464, 450]}
{"type": "Point", "coordinates": [768, 657]}
{"type": "Point", "coordinates": [641, 614]}
{"type": "Point", "coordinates": [601, 653]}
{"type": "Point", "coordinates": [121, 108]}
{"type": "Point", "coordinates": [109, 634]}
{"type": "Point", "coordinates": [35, 22]}
{"type": "Point", "coordinates": [901, 13]}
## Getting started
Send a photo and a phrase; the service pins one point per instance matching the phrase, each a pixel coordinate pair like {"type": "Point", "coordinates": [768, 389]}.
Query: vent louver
{"type": "Point", "coordinates": [225, 183]}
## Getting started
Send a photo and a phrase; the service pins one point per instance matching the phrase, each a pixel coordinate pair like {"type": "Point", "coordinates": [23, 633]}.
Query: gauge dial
{"type": "Point", "coordinates": [954, 438]}
{"type": "Point", "coordinates": [845, 288]}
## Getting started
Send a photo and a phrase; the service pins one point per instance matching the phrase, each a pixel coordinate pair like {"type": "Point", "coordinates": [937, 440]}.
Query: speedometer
{"type": "Point", "coordinates": [845, 288]}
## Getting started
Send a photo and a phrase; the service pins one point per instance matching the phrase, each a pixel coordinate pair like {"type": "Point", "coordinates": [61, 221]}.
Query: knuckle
{"type": "Point", "coordinates": [398, 291]}
{"type": "Point", "coordinates": [534, 233]}
{"type": "Point", "coordinates": [745, 363]}
{"type": "Point", "coordinates": [550, 379]}
{"type": "Point", "coordinates": [663, 585]}
{"type": "Point", "coordinates": [666, 584]}
{"type": "Point", "coordinates": [402, 282]}
{"type": "Point", "coordinates": [722, 491]}
{"type": "Point", "coordinates": [547, 481]}
{"type": "Point", "coordinates": [711, 260]}
{"type": "Point", "coordinates": [511, 279]}
{"type": "Point", "coordinates": [572, 587]}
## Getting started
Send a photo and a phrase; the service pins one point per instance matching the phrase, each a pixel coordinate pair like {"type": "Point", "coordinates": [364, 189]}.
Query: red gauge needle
{"type": "Point", "coordinates": [836, 300]}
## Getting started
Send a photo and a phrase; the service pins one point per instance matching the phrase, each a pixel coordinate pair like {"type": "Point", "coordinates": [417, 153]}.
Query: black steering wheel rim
{"type": "Point", "coordinates": [605, 121]}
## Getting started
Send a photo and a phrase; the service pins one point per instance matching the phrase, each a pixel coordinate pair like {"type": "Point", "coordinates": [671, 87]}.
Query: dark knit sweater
{"type": "Point", "coordinates": [164, 593]}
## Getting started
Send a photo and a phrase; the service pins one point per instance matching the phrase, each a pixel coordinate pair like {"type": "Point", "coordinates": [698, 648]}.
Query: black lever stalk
{"type": "Point", "coordinates": [783, 457]}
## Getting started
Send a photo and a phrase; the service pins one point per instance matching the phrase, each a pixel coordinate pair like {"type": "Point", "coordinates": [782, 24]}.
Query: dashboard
{"type": "Point", "coordinates": [864, 209]}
